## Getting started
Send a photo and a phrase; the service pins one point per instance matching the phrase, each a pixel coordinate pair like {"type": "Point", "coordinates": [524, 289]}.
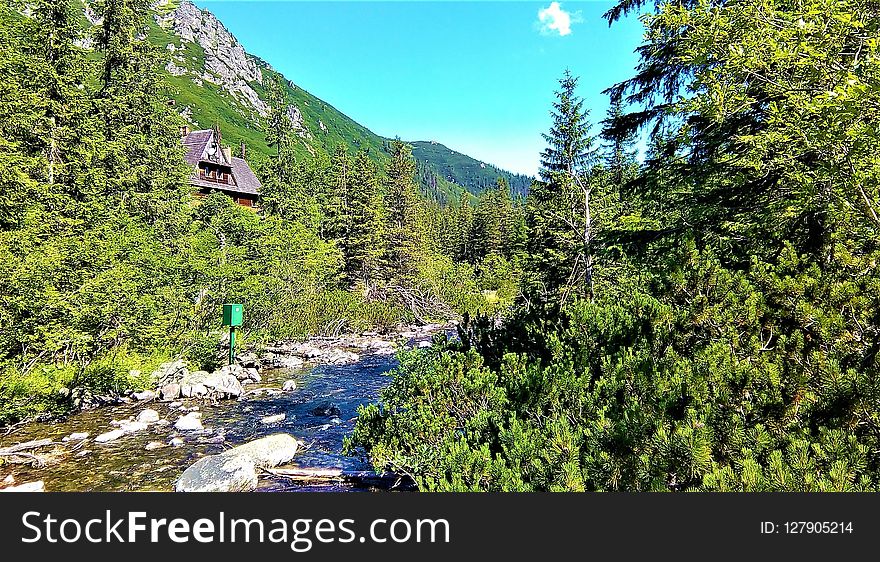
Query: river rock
{"type": "Point", "coordinates": [218, 473]}
{"type": "Point", "coordinates": [110, 436]}
{"type": "Point", "coordinates": [176, 442]}
{"type": "Point", "coordinates": [272, 419]}
{"type": "Point", "coordinates": [37, 486]}
{"type": "Point", "coordinates": [288, 386]}
{"type": "Point", "coordinates": [170, 392]}
{"type": "Point", "coordinates": [325, 410]}
{"type": "Point", "coordinates": [193, 390]}
{"type": "Point", "coordinates": [189, 422]}
{"type": "Point", "coordinates": [237, 371]}
{"type": "Point", "coordinates": [235, 470]}
{"type": "Point", "coordinates": [147, 416]}
{"type": "Point", "coordinates": [222, 383]}
{"type": "Point", "coordinates": [307, 350]}
{"type": "Point", "coordinates": [145, 395]}
{"type": "Point", "coordinates": [423, 344]}
{"type": "Point", "coordinates": [248, 360]}
{"type": "Point", "coordinates": [132, 426]}
{"type": "Point", "coordinates": [153, 445]}
{"type": "Point", "coordinates": [340, 357]}
{"type": "Point", "coordinates": [254, 374]}
{"type": "Point", "coordinates": [76, 436]}
{"type": "Point", "coordinates": [170, 372]}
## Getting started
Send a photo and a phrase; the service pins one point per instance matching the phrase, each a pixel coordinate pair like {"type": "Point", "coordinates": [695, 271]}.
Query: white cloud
{"type": "Point", "coordinates": [553, 19]}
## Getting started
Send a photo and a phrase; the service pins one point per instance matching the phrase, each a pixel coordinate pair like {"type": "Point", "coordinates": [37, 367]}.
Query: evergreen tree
{"type": "Point", "coordinates": [363, 242]}
{"type": "Point", "coordinates": [619, 148]}
{"type": "Point", "coordinates": [404, 233]}
{"type": "Point", "coordinates": [562, 229]}
{"type": "Point", "coordinates": [570, 148]}
{"type": "Point", "coordinates": [464, 218]}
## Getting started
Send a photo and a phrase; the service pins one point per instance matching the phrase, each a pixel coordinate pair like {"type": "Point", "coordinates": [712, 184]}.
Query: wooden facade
{"type": "Point", "coordinates": [215, 169]}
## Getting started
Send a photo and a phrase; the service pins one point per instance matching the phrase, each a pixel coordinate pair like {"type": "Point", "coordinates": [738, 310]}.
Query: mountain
{"type": "Point", "coordinates": [214, 80]}
{"type": "Point", "coordinates": [460, 169]}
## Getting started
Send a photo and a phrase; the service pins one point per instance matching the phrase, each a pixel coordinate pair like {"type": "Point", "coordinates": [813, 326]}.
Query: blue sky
{"type": "Point", "coordinates": [477, 76]}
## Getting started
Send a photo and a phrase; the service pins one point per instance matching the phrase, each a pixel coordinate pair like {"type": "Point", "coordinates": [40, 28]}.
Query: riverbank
{"type": "Point", "coordinates": [326, 379]}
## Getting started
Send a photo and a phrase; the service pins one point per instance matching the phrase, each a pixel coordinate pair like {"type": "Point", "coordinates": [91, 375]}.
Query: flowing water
{"type": "Point", "coordinates": [320, 412]}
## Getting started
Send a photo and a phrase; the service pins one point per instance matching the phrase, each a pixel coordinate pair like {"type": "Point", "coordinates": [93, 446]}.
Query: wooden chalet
{"type": "Point", "coordinates": [216, 169]}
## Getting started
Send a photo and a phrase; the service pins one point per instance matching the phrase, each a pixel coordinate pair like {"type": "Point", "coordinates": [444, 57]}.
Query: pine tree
{"type": "Point", "coordinates": [141, 150]}
{"type": "Point", "coordinates": [404, 235]}
{"type": "Point", "coordinates": [279, 128]}
{"type": "Point", "coordinates": [464, 218]}
{"type": "Point", "coordinates": [336, 201]}
{"type": "Point", "coordinates": [619, 148]}
{"type": "Point", "coordinates": [570, 147]}
{"type": "Point", "coordinates": [363, 242]}
{"type": "Point", "coordinates": [562, 229]}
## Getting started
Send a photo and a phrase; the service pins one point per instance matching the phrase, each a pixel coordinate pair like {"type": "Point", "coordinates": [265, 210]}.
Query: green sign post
{"type": "Point", "coordinates": [232, 316]}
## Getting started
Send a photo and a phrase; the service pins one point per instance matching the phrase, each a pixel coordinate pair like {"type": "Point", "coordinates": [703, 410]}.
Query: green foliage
{"type": "Point", "coordinates": [108, 265]}
{"type": "Point", "coordinates": [731, 341]}
{"type": "Point", "coordinates": [457, 169]}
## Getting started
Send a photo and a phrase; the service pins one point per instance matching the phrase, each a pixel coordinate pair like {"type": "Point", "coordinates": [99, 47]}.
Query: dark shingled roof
{"type": "Point", "coordinates": [244, 180]}
{"type": "Point", "coordinates": [244, 176]}
{"type": "Point", "coordinates": [195, 142]}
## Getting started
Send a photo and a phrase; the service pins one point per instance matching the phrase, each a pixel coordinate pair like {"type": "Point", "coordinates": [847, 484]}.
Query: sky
{"type": "Point", "coordinates": [477, 76]}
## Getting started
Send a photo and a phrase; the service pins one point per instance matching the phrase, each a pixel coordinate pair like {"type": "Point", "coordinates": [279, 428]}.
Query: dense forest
{"type": "Point", "coordinates": [704, 320]}
{"type": "Point", "coordinates": [109, 266]}
{"type": "Point", "coordinates": [706, 317]}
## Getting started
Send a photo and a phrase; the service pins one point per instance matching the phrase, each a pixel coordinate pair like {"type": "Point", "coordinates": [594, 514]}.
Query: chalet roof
{"type": "Point", "coordinates": [245, 178]}
{"type": "Point", "coordinates": [198, 144]}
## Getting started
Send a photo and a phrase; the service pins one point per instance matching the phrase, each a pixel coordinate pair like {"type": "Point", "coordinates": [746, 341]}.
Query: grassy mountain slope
{"type": "Point", "coordinates": [462, 170]}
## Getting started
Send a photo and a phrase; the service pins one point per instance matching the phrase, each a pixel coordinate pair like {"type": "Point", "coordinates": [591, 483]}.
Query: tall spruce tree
{"type": "Point", "coordinates": [619, 147]}
{"type": "Point", "coordinates": [404, 233]}
{"type": "Point", "coordinates": [561, 217]}
{"type": "Point", "coordinates": [363, 242]}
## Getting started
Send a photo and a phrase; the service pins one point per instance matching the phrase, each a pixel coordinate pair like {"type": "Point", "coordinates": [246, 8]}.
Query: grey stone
{"type": "Point", "coordinates": [176, 442]}
{"type": "Point", "coordinates": [288, 385]}
{"type": "Point", "coordinates": [235, 470]}
{"type": "Point", "coordinates": [37, 486]}
{"type": "Point", "coordinates": [340, 357]}
{"type": "Point", "coordinates": [170, 392]}
{"type": "Point", "coordinates": [273, 419]}
{"type": "Point", "coordinates": [76, 436]}
{"type": "Point", "coordinates": [225, 385]}
{"type": "Point", "coordinates": [145, 395]}
{"type": "Point", "coordinates": [153, 445]}
{"type": "Point", "coordinates": [169, 372]}
{"type": "Point", "coordinates": [109, 436]}
{"type": "Point", "coordinates": [132, 426]}
{"type": "Point", "coordinates": [148, 416]}
{"type": "Point", "coordinates": [226, 62]}
{"type": "Point", "coordinates": [218, 473]}
{"type": "Point", "coordinates": [189, 422]}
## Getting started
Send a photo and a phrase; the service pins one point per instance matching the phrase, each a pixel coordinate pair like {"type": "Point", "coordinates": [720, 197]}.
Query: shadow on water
{"type": "Point", "coordinates": [320, 412]}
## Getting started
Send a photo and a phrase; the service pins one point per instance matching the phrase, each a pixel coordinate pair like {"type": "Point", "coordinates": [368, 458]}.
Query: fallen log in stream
{"type": "Point", "coordinates": [16, 453]}
{"type": "Point", "coordinates": [388, 481]}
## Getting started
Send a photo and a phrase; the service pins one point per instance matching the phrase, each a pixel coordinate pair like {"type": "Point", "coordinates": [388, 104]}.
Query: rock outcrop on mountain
{"type": "Point", "coordinates": [227, 64]}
